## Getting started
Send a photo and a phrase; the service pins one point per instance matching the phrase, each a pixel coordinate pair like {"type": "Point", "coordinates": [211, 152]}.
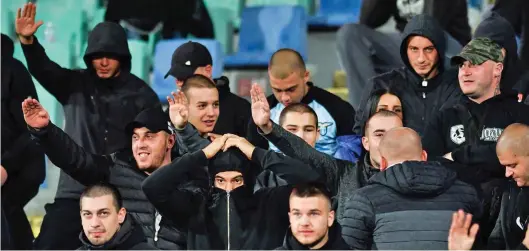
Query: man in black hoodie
{"type": "Point", "coordinates": [97, 101]}
{"type": "Point", "coordinates": [194, 58]}
{"type": "Point", "coordinates": [364, 52]}
{"type": "Point", "coordinates": [409, 204]}
{"type": "Point", "coordinates": [425, 84]}
{"type": "Point", "coordinates": [467, 131]}
{"type": "Point", "coordinates": [312, 220]}
{"type": "Point", "coordinates": [21, 158]}
{"type": "Point", "coordinates": [106, 224]}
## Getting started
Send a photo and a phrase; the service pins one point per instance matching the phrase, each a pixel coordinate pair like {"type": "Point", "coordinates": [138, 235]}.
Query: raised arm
{"type": "Point", "coordinates": [51, 76]}
{"type": "Point", "coordinates": [81, 165]}
{"type": "Point", "coordinates": [179, 189]}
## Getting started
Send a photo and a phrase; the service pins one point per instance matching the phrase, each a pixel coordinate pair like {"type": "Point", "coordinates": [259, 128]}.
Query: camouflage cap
{"type": "Point", "coordinates": [478, 51]}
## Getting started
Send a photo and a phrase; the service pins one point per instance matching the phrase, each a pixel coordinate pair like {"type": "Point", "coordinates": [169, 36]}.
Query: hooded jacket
{"type": "Point", "coordinates": [452, 15]}
{"type": "Point", "coordinates": [408, 206]}
{"type": "Point", "coordinates": [419, 101]}
{"type": "Point", "coordinates": [22, 159]}
{"type": "Point", "coordinates": [128, 237]}
{"type": "Point", "coordinates": [96, 110]}
{"type": "Point", "coordinates": [216, 219]}
{"type": "Point", "coordinates": [500, 31]}
{"type": "Point", "coordinates": [341, 176]}
{"type": "Point", "coordinates": [335, 241]}
{"type": "Point", "coordinates": [119, 169]}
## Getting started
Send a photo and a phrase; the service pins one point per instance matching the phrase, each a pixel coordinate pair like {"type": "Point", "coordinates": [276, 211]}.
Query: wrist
{"type": "Point", "coordinates": [25, 39]}
{"type": "Point", "coordinates": [267, 128]}
{"type": "Point", "coordinates": [181, 126]}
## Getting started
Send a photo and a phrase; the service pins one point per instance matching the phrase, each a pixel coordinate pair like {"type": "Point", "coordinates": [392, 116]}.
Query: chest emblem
{"type": "Point", "coordinates": [457, 134]}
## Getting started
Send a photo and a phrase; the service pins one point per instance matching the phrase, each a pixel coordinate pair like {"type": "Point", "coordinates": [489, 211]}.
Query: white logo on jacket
{"type": "Point", "coordinates": [457, 134]}
{"type": "Point", "coordinates": [491, 134]}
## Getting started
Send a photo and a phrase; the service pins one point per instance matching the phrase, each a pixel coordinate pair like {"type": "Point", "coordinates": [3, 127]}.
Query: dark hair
{"type": "Point", "coordinates": [102, 189]}
{"type": "Point", "coordinates": [197, 81]}
{"type": "Point", "coordinates": [312, 189]}
{"type": "Point", "coordinates": [372, 104]}
{"type": "Point", "coordinates": [298, 107]}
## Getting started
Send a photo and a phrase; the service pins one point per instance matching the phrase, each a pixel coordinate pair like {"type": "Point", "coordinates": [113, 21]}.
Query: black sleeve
{"type": "Point", "coordinates": [178, 189]}
{"type": "Point", "coordinates": [358, 223]}
{"type": "Point", "coordinates": [255, 137]}
{"type": "Point", "coordinates": [291, 170]}
{"type": "Point", "coordinates": [325, 165]}
{"type": "Point", "coordinates": [25, 179]}
{"type": "Point", "coordinates": [433, 141]}
{"type": "Point", "coordinates": [375, 13]}
{"type": "Point", "coordinates": [55, 79]}
{"type": "Point", "coordinates": [85, 167]}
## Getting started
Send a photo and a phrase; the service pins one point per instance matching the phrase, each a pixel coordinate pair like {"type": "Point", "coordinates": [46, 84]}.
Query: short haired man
{"type": "Point", "coordinates": [467, 132]}
{"type": "Point", "coordinates": [312, 220]}
{"type": "Point", "coordinates": [106, 224]}
{"type": "Point", "coordinates": [342, 177]}
{"type": "Point", "coordinates": [152, 141]}
{"type": "Point", "coordinates": [511, 230]}
{"type": "Point", "coordinates": [302, 121]}
{"type": "Point", "coordinates": [98, 102]}
{"type": "Point", "coordinates": [409, 203]}
{"type": "Point", "coordinates": [289, 80]}
{"type": "Point", "coordinates": [194, 58]}
{"type": "Point", "coordinates": [425, 84]}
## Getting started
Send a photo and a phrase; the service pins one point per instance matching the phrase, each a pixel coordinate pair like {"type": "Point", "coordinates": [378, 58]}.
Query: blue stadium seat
{"type": "Point", "coordinates": [162, 63]}
{"type": "Point", "coordinates": [335, 13]}
{"type": "Point", "coordinates": [477, 4]}
{"type": "Point", "coordinates": [266, 29]}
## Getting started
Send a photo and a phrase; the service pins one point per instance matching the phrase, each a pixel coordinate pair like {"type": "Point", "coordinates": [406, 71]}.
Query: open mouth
{"type": "Point", "coordinates": [143, 155]}
{"type": "Point", "coordinates": [209, 122]}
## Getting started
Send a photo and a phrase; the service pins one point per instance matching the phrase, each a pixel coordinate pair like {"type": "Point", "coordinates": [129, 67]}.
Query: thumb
{"type": "Point", "coordinates": [43, 113]}
{"type": "Point", "coordinates": [38, 24]}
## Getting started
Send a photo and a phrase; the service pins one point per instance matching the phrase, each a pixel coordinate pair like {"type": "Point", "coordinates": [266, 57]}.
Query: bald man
{"type": "Point", "coordinates": [289, 80]}
{"type": "Point", "coordinates": [409, 204]}
{"type": "Point", "coordinates": [510, 231]}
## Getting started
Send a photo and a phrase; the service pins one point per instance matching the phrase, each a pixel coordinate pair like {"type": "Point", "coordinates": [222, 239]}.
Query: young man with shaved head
{"type": "Point", "coordinates": [409, 204]}
{"type": "Point", "coordinates": [289, 80]}
{"type": "Point", "coordinates": [511, 230]}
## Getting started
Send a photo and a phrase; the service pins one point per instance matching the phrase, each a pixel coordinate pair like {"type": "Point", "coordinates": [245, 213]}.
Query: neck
{"type": "Point", "coordinates": [490, 94]}
{"type": "Point", "coordinates": [322, 242]}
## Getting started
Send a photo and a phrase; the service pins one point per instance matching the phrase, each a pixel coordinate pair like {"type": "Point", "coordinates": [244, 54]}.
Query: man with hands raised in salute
{"type": "Point", "coordinates": [228, 214]}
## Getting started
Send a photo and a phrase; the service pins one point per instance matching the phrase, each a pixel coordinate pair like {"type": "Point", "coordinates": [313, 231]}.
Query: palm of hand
{"type": "Point", "coordinates": [260, 113]}
{"type": "Point", "coordinates": [179, 114]}
{"type": "Point", "coordinates": [25, 26]}
{"type": "Point", "coordinates": [36, 116]}
{"type": "Point", "coordinates": [458, 240]}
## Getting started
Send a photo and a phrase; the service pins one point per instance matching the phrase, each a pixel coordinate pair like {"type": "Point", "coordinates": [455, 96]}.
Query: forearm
{"type": "Point", "coordinates": [191, 139]}
{"type": "Point", "coordinates": [287, 168]}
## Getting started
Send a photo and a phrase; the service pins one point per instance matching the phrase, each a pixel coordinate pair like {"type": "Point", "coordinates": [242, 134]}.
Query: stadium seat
{"type": "Point", "coordinates": [223, 27]}
{"type": "Point", "coordinates": [140, 59]}
{"type": "Point", "coordinates": [234, 8]}
{"type": "Point", "coordinates": [475, 4]}
{"type": "Point", "coordinates": [335, 13]}
{"type": "Point", "coordinates": [162, 63]}
{"type": "Point", "coordinates": [307, 4]}
{"type": "Point", "coordinates": [267, 29]}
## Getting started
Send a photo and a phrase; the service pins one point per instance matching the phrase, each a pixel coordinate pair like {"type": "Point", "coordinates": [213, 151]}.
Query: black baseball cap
{"type": "Point", "coordinates": [154, 119]}
{"type": "Point", "coordinates": [187, 58]}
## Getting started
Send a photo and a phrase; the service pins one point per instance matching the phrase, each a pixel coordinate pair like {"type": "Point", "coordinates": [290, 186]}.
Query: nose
{"type": "Point", "coordinates": [229, 187]}
{"type": "Point", "coordinates": [210, 111]}
{"type": "Point", "coordinates": [508, 172]}
{"type": "Point", "coordinates": [285, 98]}
{"type": "Point", "coordinates": [299, 133]}
{"type": "Point", "coordinates": [421, 57]}
{"type": "Point", "coordinates": [464, 71]}
{"type": "Point", "coordinates": [95, 222]}
{"type": "Point", "coordinates": [304, 220]}
{"type": "Point", "coordinates": [104, 61]}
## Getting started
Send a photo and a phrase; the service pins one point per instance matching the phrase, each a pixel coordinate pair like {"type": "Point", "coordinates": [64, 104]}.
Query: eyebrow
{"type": "Point", "coordinates": [286, 88]}
{"type": "Point", "coordinates": [379, 130]}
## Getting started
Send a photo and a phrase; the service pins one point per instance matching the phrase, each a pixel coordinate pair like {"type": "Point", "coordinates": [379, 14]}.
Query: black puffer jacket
{"type": "Point", "coordinates": [118, 169]}
{"type": "Point", "coordinates": [419, 102]}
{"type": "Point", "coordinates": [96, 110]}
{"type": "Point", "coordinates": [408, 206]}
{"type": "Point", "coordinates": [129, 237]}
{"type": "Point", "coordinates": [341, 176]}
{"type": "Point", "coordinates": [335, 241]}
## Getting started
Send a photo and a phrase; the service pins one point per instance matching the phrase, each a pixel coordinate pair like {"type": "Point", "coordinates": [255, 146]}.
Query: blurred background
{"type": "Point", "coordinates": [240, 34]}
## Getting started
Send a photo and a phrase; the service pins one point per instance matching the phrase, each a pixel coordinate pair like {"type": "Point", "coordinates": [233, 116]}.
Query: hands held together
{"type": "Point", "coordinates": [225, 142]}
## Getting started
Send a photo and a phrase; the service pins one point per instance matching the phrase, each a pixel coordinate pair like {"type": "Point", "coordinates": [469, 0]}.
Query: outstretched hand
{"type": "Point", "coordinates": [25, 25]}
{"type": "Point", "coordinates": [260, 109]}
{"type": "Point", "coordinates": [178, 109]}
{"type": "Point", "coordinates": [461, 235]}
{"type": "Point", "coordinates": [34, 114]}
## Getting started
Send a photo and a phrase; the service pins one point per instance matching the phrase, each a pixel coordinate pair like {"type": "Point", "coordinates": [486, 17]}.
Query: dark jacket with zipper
{"type": "Point", "coordinates": [130, 236]}
{"type": "Point", "coordinates": [22, 159]}
{"type": "Point", "coordinates": [452, 15]}
{"type": "Point", "coordinates": [95, 110]}
{"type": "Point", "coordinates": [335, 241]}
{"type": "Point", "coordinates": [469, 131]}
{"type": "Point", "coordinates": [408, 206]}
{"type": "Point", "coordinates": [118, 169]}
{"type": "Point", "coordinates": [419, 102]}
{"type": "Point", "coordinates": [513, 219]}
{"type": "Point", "coordinates": [216, 219]}
{"type": "Point", "coordinates": [234, 112]}
{"type": "Point", "coordinates": [341, 176]}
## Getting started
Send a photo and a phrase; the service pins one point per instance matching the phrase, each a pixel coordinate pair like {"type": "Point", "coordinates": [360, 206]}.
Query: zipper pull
{"type": "Point", "coordinates": [423, 95]}
{"type": "Point", "coordinates": [424, 83]}
{"type": "Point", "coordinates": [157, 220]}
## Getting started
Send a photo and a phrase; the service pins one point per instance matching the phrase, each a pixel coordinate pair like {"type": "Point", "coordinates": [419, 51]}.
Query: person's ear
{"type": "Point", "coordinates": [383, 163]}
{"type": "Point", "coordinates": [209, 70]}
{"type": "Point", "coordinates": [365, 143]}
{"type": "Point", "coordinates": [331, 218]}
{"type": "Point", "coordinates": [121, 215]}
{"type": "Point", "coordinates": [171, 141]}
{"type": "Point", "coordinates": [317, 133]}
{"type": "Point", "coordinates": [498, 69]}
{"type": "Point", "coordinates": [424, 155]}
{"type": "Point", "coordinates": [306, 76]}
